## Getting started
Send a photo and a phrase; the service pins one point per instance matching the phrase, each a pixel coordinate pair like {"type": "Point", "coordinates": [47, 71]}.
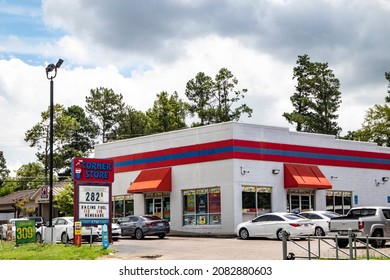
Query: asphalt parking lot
{"type": "Point", "coordinates": [231, 248]}
{"type": "Point", "coordinates": [196, 248]}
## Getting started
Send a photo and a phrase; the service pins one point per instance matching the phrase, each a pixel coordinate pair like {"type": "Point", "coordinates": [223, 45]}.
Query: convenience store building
{"type": "Point", "coordinates": [208, 179]}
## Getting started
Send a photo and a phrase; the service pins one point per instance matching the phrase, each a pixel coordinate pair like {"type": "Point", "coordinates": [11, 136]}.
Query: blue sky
{"type": "Point", "coordinates": [140, 48]}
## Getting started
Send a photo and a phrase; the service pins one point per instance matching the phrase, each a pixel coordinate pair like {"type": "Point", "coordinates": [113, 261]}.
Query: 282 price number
{"type": "Point", "coordinates": [93, 196]}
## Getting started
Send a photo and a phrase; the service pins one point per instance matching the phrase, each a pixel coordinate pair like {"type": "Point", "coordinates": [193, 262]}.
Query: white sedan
{"type": "Point", "coordinates": [320, 219]}
{"type": "Point", "coordinates": [63, 231]}
{"type": "Point", "coordinates": [271, 225]}
{"type": "Point", "coordinates": [115, 231]}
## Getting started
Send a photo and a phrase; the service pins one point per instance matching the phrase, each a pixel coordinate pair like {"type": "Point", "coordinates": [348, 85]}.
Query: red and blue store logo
{"type": "Point", "coordinates": [93, 170]}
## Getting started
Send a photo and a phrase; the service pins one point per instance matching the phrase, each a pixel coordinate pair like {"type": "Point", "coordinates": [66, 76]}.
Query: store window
{"type": "Point", "coordinates": [202, 206]}
{"type": "Point", "coordinates": [122, 206]}
{"type": "Point", "coordinates": [338, 201]}
{"type": "Point", "coordinates": [256, 200]}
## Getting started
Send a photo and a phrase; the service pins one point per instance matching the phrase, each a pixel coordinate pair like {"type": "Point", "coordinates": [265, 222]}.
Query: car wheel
{"type": "Point", "coordinates": [38, 237]}
{"type": "Point", "coordinates": [319, 231]}
{"type": "Point", "coordinates": [279, 235]}
{"type": "Point", "coordinates": [244, 234]}
{"type": "Point", "coordinates": [161, 236]}
{"type": "Point", "coordinates": [139, 234]}
{"type": "Point", "coordinates": [377, 243]}
{"type": "Point", "coordinates": [64, 238]}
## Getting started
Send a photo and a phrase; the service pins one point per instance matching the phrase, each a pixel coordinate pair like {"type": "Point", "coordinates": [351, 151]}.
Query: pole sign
{"type": "Point", "coordinates": [25, 232]}
{"type": "Point", "coordinates": [92, 190]}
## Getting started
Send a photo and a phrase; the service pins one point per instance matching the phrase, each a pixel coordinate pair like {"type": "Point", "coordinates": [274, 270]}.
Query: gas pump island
{"type": "Point", "coordinates": [93, 179]}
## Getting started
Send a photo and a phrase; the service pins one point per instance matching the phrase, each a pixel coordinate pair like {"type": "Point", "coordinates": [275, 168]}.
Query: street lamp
{"type": "Point", "coordinates": [49, 69]}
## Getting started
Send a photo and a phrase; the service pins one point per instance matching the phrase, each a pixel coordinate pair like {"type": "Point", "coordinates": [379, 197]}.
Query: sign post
{"type": "Point", "coordinates": [92, 191]}
{"type": "Point", "coordinates": [77, 234]}
{"type": "Point", "coordinates": [105, 240]}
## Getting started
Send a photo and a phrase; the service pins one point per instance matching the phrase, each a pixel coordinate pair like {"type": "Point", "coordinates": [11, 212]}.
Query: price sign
{"type": "Point", "coordinates": [25, 232]}
{"type": "Point", "coordinates": [94, 194]}
{"type": "Point", "coordinates": [94, 204]}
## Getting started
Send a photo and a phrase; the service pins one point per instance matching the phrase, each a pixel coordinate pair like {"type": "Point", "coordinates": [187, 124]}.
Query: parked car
{"type": "Point", "coordinates": [115, 231]}
{"type": "Point", "coordinates": [320, 220]}
{"type": "Point", "coordinates": [145, 225]}
{"type": "Point", "coordinates": [271, 225]}
{"type": "Point", "coordinates": [38, 220]}
{"type": "Point", "coordinates": [63, 230]}
{"type": "Point", "coordinates": [372, 221]}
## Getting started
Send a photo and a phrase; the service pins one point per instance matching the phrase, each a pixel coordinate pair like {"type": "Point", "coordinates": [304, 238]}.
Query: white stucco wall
{"type": "Point", "coordinates": [227, 173]}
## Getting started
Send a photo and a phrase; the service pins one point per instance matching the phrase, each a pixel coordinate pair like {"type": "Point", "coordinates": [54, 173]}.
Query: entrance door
{"type": "Point", "coordinates": [154, 206]}
{"type": "Point", "coordinates": [300, 202]}
{"type": "Point", "coordinates": [158, 206]}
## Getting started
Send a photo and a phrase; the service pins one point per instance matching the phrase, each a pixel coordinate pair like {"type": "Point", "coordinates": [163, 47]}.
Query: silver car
{"type": "Point", "coordinates": [145, 225]}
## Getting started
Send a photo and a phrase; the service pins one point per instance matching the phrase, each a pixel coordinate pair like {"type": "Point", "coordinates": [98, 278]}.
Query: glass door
{"type": "Point", "coordinates": [157, 207]}
{"type": "Point", "coordinates": [300, 202]}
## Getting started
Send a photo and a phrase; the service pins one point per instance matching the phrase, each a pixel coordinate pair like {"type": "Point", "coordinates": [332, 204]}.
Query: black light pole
{"type": "Point", "coordinates": [51, 68]}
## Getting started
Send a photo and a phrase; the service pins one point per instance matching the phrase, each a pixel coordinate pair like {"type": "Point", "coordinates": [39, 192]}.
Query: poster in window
{"type": "Point", "coordinates": [201, 203]}
{"type": "Point", "coordinates": [189, 203]}
{"type": "Point", "coordinates": [214, 202]}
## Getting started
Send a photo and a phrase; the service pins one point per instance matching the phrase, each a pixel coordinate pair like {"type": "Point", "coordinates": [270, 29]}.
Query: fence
{"type": "Point", "coordinates": [326, 247]}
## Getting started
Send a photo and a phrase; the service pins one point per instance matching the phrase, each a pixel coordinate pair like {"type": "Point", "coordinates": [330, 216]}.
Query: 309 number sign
{"type": "Point", "coordinates": [25, 232]}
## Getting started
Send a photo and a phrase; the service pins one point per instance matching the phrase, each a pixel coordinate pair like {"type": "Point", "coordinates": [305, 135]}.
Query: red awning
{"type": "Point", "coordinates": [304, 176]}
{"type": "Point", "coordinates": [153, 180]}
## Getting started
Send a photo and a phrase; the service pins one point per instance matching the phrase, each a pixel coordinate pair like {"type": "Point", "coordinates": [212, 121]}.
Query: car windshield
{"type": "Point", "coordinates": [71, 219]}
{"type": "Point", "coordinates": [362, 212]}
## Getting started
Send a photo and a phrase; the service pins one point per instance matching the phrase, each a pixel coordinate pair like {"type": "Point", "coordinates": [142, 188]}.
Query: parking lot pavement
{"type": "Point", "coordinates": [207, 248]}
{"type": "Point", "coordinates": [196, 248]}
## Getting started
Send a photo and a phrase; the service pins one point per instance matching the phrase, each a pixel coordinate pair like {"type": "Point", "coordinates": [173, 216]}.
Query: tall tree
{"type": "Point", "coordinates": [316, 99]}
{"type": "Point", "coordinates": [200, 93]}
{"type": "Point", "coordinates": [168, 113]}
{"type": "Point", "coordinates": [301, 99]}
{"type": "Point", "coordinates": [387, 76]}
{"type": "Point", "coordinates": [375, 128]}
{"type": "Point", "coordinates": [64, 126]}
{"type": "Point", "coordinates": [30, 176]}
{"type": "Point", "coordinates": [131, 123]}
{"type": "Point", "coordinates": [216, 101]}
{"type": "Point", "coordinates": [81, 139]}
{"type": "Point", "coordinates": [226, 96]}
{"type": "Point", "coordinates": [4, 171]}
{"type": "Point", "coordinates": [106, 107]}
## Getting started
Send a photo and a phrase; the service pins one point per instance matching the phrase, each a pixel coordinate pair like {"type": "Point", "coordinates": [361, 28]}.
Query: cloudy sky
{"type": "Point", "coordinates": [140, 48]}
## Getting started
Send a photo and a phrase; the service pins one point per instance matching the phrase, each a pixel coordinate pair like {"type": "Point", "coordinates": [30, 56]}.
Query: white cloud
{"type": "Point", "coordinates": [140, 48]}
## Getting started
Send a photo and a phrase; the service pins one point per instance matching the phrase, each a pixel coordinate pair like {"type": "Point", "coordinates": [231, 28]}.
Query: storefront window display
{"type": "Point", "coordinates": [122, 205]}
{"type": "Point", "coordinates": [202, 206]}
{"type": "Point", "coordinates": [339, 201]}
{"type": "Point", "coordinates": [256, 200]}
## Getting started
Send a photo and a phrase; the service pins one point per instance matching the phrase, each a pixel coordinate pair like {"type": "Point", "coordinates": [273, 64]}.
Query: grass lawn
{"type": "Point", "coordinates": [37, 251]}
